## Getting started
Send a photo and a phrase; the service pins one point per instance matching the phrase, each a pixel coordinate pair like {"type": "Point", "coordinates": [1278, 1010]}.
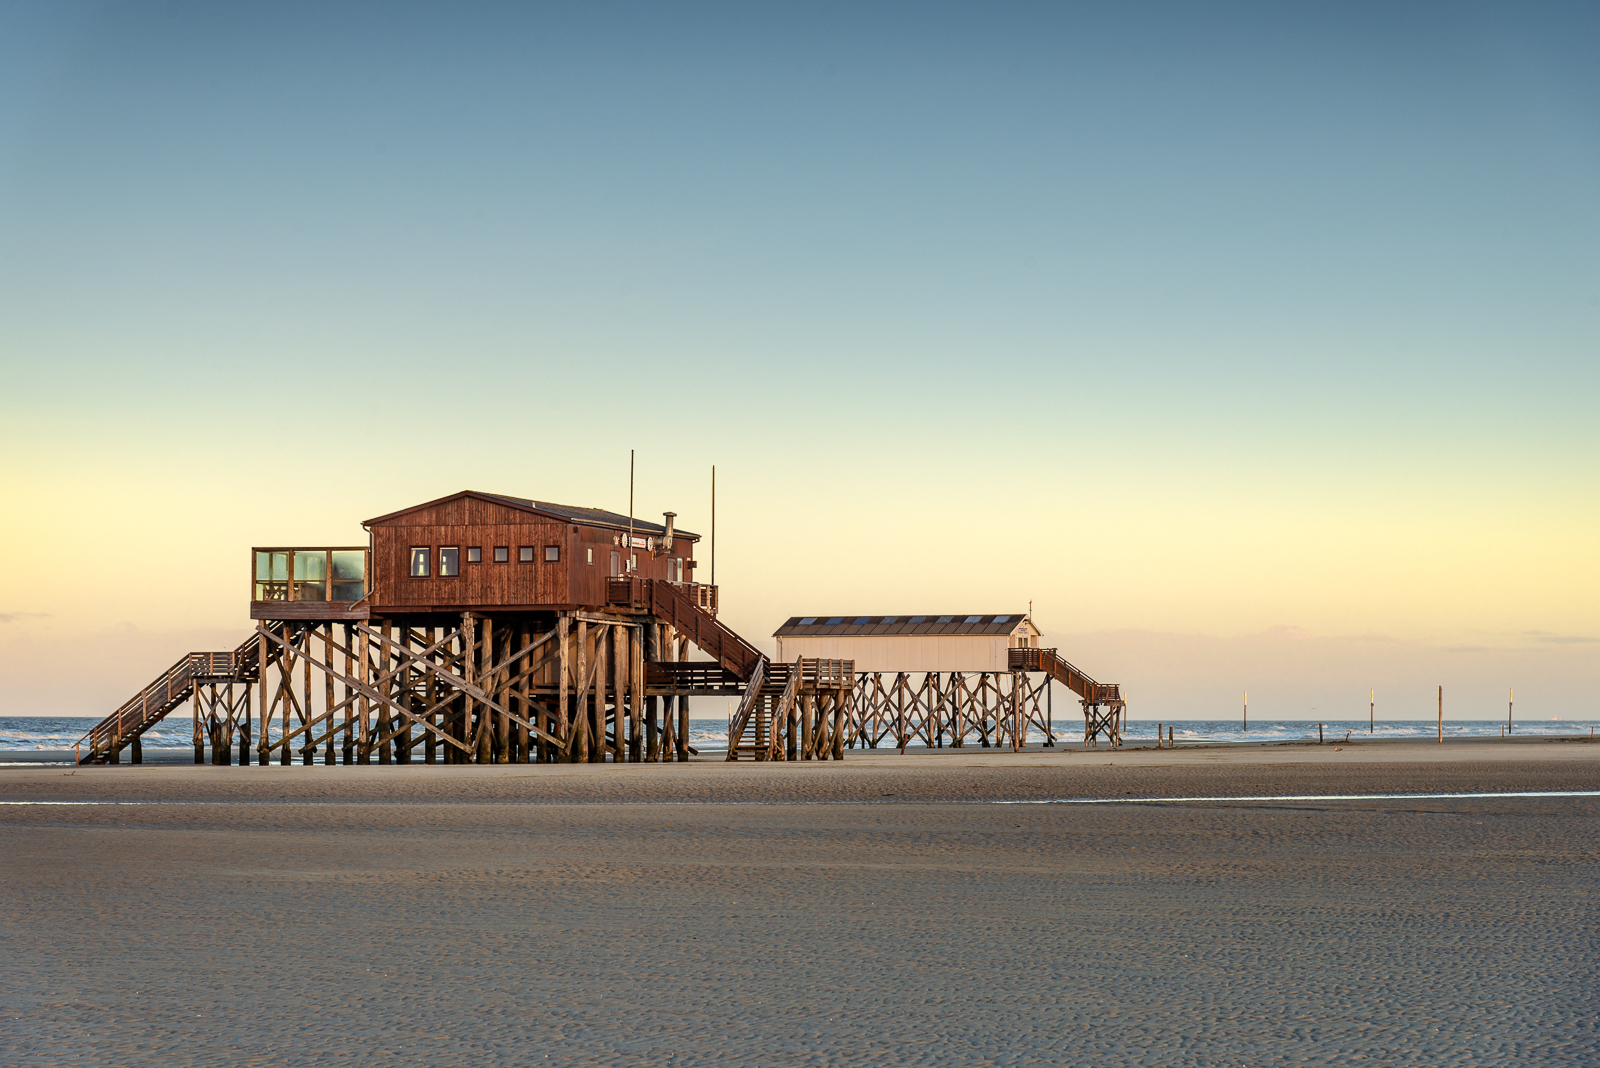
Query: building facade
{"type": "Point", "coordinates": [955, 642]}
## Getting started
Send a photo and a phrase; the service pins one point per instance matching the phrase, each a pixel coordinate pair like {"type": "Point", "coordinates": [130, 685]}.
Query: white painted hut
{"type": "Point", "coordinates": [908, 643]}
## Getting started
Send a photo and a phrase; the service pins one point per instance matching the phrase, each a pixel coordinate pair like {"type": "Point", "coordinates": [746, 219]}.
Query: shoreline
{"type": "Point", "coordinates": [1385, 768]}
{"type": "Point", "coordinates": [183, 756]}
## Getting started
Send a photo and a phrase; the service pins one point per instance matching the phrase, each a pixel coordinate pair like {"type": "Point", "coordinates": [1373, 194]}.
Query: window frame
{"type": "Point", "coordinates": [456, 572]}
{"type": "Point", "coordinates": [474, 554]}
{"type": "Point", "coordinates": [427, 562]}
{"type": "Point", "coordinates": [556, 549]}
{"type": "Point", "coordinates": [525, 554]}
{"type": "Point", "coordinates": [502, 554]}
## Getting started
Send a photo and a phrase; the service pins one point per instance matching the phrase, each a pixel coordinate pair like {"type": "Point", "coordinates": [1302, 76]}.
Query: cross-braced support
{"type": "Point", "coordinates": [991, 708]}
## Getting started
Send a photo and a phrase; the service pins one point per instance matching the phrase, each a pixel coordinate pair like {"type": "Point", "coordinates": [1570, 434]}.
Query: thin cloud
{"type": "Point", "coordinates": [12, 617]}
{"type": "Point", "coordinates": [1561, 639]}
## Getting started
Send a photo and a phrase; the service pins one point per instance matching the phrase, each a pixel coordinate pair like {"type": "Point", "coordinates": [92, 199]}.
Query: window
{"type": "Point", "coordinates": [675, 569]}
{"type": "Point", "coordinates": [349, 575]}
{"type": "Point", "coordinates": [590, 551]}
{"type": "Point", "coordinates": [863, 619]}
{"type": "Point", "coordinates": [502, 554]}
{"type": "Point", "coordinates": [524, 554]}
{"type": "Point", "coordinates": [890, 619]}
{"type": "Point", "coordinates": [1002, 619]}
{"type": "Point", "coordinates": [419, 562]}
{"type": "Point", "coordinates": [807, 621]}
{"type": "Point", "coordinates": [835, 621]}
{"type": "Point", "coordinates": [449, 561]}
{"type": "Point", "coordinates": [474, 555]}
{"type": "Point", "coordinates": [552, 554]}
{"type": "Point", "coordinates": [945, 619]}
{"type": "Point", "coordinates": [974, 619]}
{"type": "Point", "coordinates": [272, 576]}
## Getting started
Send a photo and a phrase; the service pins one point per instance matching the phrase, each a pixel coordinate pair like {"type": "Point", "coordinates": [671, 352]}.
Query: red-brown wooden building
{"type": "Point", "coordinates": [473, 551]}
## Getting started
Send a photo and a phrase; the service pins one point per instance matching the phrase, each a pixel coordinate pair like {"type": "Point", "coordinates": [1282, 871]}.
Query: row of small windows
{"type": "Point", "coordinates": [450, 558]}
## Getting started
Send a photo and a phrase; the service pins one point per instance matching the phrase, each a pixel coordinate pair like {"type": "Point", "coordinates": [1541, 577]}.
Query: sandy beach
{"type": "Point", "coordinates": [882, 910]}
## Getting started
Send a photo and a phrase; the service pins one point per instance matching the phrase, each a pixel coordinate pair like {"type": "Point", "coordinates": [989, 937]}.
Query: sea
{"type": "Point", "coordinates": [31, 733]}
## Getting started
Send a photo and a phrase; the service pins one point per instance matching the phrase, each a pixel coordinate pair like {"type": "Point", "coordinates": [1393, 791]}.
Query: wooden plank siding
{"type": "Point", "coordinates": [470, 522]}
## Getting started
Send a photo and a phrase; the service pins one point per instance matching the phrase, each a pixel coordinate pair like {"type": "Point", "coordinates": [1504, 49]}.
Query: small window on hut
{"type": "Point", "coordinates": [590, 551]}
{"type": "Point", "coordinates": [502, 555]}
{"type": "Point", "coordinates": [552, 554]}
{"type": "Point", "coordinates": [524, 554]}
{"type": "Point", "coordinates": [419, 562]}
{"type": "Point", "coordinates": [449, 561]}
{"type": "Point", "coordinates": [474, 555]}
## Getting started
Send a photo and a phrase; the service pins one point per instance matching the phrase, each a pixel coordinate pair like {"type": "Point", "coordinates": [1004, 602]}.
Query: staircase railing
{"type": "Point", "coordinates": [780, 715]}
{"type": "Point", "coordinates": [747, 705]}
{"type": "Point", "coordinates": [169, 690]}
{"type": "Point", "coordinates": [710, 636]}
{"type": "Point", "coordinates": [1047, 660]}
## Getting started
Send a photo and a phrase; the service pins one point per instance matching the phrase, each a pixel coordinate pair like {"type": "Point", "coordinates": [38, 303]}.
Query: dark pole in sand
{"type": "Point", "coordinates": [1372, 703]}
{"type": "Point", "coordinates": [1441, 713]}
{"type": "Point", "coordinates": [1510, 696]}
{"type": "Point", "coordinates": [1247, 711]}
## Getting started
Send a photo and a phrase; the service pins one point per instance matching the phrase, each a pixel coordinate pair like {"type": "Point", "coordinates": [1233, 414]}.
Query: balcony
{"type": "Point", "coordinates": [329, 582]}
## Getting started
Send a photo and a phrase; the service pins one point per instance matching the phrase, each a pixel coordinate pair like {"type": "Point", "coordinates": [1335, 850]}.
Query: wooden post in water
{"type": "Point", "coordinates": [1441, 713]}
{"type": "Point", "coordinates": [1510, 697]}
{"type": "Point", "coordinates": [1247, 711]}
{"type": "Point", "coordinates": [1372, 703]}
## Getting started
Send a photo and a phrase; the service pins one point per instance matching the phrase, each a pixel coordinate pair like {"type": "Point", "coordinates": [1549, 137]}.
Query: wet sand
{"type": "Point", "coordinates": [877, 911]}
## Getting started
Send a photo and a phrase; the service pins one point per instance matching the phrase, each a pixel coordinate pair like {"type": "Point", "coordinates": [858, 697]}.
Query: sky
{"type": "Point", "coordinates": [1256, 345]}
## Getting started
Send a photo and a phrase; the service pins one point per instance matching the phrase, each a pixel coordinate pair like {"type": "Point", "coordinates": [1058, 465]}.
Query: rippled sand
{"type": "Point", "coordinates": [563, 916]}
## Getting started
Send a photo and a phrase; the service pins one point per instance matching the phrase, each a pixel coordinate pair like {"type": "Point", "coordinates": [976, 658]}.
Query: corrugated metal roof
{"type": "Point", "coordinates": [570, 512]}
{"type": "Point", "coordinates": [889, 626]}
{"type": "Point", "coordinates": [593, 516]}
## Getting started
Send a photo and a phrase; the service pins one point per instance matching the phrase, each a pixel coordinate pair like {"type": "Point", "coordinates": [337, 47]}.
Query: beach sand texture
{"type": "Point", "coordinates": [456, 916]}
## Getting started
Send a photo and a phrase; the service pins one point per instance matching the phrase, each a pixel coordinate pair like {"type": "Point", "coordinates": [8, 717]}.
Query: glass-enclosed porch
{"type": "Point", "coordinates": [336, 574]}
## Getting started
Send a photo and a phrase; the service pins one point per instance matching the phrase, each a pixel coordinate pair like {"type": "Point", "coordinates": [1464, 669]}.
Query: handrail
{"type": "Point", "coordinates": [152, 704]}
{"type": "Point", "coordinates": [710, 635]}
{"type": "Point", "coordinates": [1032, 658]}
{"type": "Point", "coordinates": [752, 694]}
{"type": "Point", "coordinates": [785, 706]}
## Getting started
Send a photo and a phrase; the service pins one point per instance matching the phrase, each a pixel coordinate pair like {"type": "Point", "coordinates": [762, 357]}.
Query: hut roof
{"type": "Point", "coordinates": [888, 626]}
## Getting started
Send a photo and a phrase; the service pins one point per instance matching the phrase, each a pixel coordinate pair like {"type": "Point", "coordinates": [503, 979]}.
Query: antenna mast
{"type": "Point", "coordinates": [627, 556]}
{"type": "Point", "coordinates": [713, 524]}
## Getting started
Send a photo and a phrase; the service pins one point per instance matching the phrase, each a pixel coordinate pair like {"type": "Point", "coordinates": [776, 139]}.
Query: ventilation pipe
{"type": "Point", "coordinates": [666, 540]}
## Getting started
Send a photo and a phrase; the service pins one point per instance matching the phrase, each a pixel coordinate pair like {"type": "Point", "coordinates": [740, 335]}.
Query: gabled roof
{"type": "Point", "coordinates": [895, 626]}
{"type": "Point", "coordinates": [570, 513]}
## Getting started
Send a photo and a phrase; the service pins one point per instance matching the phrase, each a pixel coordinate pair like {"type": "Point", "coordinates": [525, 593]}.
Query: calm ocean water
{"type": "Point", "coordinates": [60, 732]}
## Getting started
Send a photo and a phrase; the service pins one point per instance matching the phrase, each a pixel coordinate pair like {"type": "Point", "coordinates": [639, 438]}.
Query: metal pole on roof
{"type": "Point", "coordinates": [713, 524]}
{"type": "Point", "coordinates": [627, 556]}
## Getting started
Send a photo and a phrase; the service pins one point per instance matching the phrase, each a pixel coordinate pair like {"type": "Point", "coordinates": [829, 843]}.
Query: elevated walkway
{"type": "Point", "coordinates": [124, 727]}
{"type": "Point", "coordinates": [1103, 704]}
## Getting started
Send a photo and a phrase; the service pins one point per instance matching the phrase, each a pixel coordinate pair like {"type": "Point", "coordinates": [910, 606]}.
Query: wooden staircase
{"type": "Point", "coordinates": [691, 611]}
{"type": "Point", "coordinates": [1046, 660]}
{"type": "Point", "coordinates": [106, 740]}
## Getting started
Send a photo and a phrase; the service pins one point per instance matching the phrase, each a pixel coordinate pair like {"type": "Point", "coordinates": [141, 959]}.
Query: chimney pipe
{"type": "Point", "coordinates": [667, 540]}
